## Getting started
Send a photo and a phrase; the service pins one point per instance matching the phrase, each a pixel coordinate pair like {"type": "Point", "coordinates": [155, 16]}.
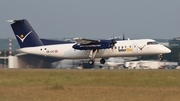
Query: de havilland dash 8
{"type": "Point", "coordinates": [83, 48]}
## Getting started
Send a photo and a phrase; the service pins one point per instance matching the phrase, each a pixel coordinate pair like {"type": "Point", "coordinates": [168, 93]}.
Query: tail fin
{"type": "Point", "coordinates": [25, 34]}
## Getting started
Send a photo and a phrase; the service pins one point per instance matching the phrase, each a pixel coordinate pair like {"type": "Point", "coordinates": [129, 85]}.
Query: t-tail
{"type": "Point", "coordinates": [25, 34]}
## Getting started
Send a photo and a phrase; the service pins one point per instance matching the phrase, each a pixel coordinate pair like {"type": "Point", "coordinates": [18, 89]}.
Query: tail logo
{"type": "Point", "coordinates": [22, 37]}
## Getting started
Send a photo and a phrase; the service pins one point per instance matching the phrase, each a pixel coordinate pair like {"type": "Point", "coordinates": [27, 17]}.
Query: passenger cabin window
{"type": "Point", "coordinates": [152, 43]}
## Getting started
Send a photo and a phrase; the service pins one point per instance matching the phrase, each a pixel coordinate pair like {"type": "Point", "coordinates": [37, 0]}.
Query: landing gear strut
{"type": "Point", "coordinates": [92, 54]}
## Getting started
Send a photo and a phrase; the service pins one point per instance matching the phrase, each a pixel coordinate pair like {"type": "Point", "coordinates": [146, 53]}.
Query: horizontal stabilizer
{"type": "Point", "coordinates": [12, 21]}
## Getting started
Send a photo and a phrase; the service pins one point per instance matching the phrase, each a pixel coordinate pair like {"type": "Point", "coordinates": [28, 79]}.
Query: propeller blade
{"type": "Point", "coordinates": [123, 36]}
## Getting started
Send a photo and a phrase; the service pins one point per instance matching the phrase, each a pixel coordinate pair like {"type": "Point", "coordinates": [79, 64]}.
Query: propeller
{"type": "Point", "coordinates": [123, 36]}
{"type": "Point", "coordinates": [113, 42]}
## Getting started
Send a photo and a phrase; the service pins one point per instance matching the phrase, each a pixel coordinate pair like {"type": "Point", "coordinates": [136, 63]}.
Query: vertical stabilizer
{"type": "Point", "coordinates": [25, 34]}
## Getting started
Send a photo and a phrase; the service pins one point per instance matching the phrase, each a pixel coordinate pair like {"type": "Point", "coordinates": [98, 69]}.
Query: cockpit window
{"type": "Point", "coordinates": [152, 43]}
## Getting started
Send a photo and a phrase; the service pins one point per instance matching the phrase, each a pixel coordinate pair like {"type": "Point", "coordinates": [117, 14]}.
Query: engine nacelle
{"type": "Point", "coordinates": [103, 44]}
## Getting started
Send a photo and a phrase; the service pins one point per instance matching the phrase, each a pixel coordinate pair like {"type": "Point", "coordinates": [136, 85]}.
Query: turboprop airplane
{"type": "Point", "coordinates": [83, 48]}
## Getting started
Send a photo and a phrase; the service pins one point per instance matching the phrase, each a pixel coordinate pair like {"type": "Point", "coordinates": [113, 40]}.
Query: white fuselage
{"type": "Point", "coordinates": [122, 48]}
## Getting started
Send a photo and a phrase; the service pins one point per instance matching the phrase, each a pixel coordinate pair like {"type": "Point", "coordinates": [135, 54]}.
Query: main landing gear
{"type": "Point", "coordinates": [91, 61]}
{"type": "Point", "coordinates": [102, 61]}
{"type": "Point", "coordinates": [92, 54]}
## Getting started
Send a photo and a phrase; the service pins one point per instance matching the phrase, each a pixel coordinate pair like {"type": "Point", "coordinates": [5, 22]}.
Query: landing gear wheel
{"type": "Point", "coordinates": [102, 61]}
{"type": "Point", "coordinates": [91, 62]}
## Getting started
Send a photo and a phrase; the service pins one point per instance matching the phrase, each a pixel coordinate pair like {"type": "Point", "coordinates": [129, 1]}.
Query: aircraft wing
{"type": "Point", "coordinates": [89, 44]}
{"type": "Point", "coordinates": [53, 42]}
{"type": "Point", "coordinates": [83, 41]}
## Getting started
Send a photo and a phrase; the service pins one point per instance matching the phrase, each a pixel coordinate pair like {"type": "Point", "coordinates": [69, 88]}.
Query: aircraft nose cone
{"type": "Point", "coordinates": [166, 50]}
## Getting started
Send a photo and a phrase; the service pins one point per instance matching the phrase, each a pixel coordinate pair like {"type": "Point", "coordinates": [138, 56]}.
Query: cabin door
{"type": "Point", "coordinates": [135, 48]}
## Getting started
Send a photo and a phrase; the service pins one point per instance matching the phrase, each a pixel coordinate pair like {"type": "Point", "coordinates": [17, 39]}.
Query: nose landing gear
{"type": "Point", "coordinates": [160, 57]}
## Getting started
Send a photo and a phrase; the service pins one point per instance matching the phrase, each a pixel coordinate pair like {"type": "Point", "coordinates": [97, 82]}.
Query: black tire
{"type": "Point", "coordinates": [102, 61]}
{"type": "Point", "coordinates": [91, 62]}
